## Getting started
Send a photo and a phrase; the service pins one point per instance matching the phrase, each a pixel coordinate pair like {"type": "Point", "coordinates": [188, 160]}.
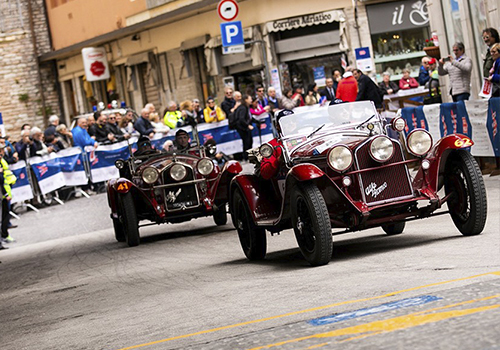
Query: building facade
{"type": "Point", "coordinates": [29, 90]}
{"type": "Point", "coordinates": [162, 50]}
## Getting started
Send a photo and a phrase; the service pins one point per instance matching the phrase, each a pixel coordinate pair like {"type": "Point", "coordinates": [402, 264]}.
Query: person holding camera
{"type": "Point", "coordinates": [459, 69]}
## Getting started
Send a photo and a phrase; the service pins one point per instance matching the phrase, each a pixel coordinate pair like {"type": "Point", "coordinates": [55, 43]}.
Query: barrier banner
{"type": "Point", "coordinates": [48, 173]}
{"type": "Point", "coordinates": [432, 115]}
{"type": "Point", "coordinates": [453, 122]}
{"type": "Point", "coordinates": [72, 166]}
{"type": "Point", "coordinates": [102, 160]}
{"type": "Point", "coordinates": [415, 119]}
{"type": "Point", "coordinates": [477, 111]}
{"type": "Point", "coordinates": [492, 122]}
{"type": "Point", "coordinates": [21, 190]}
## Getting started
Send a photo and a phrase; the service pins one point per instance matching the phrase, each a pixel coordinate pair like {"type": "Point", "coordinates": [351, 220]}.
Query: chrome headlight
{"type": "Point", "coordinates": [119, 164]}
{"type": "Point", "coordinates": [398, 124]}
{"type": "Point", "coordinates": [178, 172]}
{"type": "Point", "coordinates": [419, 142]}
{"type": "Point", "coordinates": [150, 175]}
{"type": "Point", "coordinates": [205, 166]}
{"type": "Point", "coordinates": [340, 158]}
{"type": "Point", "coordinates": [381, 148]}
{"type": "Point", "coordinates": [266, 150]}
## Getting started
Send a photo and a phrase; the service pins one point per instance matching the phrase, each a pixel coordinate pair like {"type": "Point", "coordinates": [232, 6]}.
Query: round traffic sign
{"type": "Point", "coordinates": [227, 9]}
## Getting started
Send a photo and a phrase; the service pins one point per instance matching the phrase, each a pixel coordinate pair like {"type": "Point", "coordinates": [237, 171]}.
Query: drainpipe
{"type": "Point", "coordinates": [39, 74]}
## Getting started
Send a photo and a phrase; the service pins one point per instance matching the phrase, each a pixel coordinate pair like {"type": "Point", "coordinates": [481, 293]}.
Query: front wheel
{"type": "Point", "coordinates": [394, 229]}
{"type": "Point", "coordinates": [252, 239]}
{"type": "Point", "coordinates": [220, 215]}
{"type": "Point", "coordinates": [311, 223]}
{"type": "Point", "coordinates": [128, 218]}
{"type": "Point", "coordinates": [467, 202]}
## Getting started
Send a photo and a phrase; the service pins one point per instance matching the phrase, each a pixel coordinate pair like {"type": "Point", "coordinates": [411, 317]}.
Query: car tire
{"type": "Point", "coordinates": [119, 232]}
{"type": "Point", "coordinates": [128, 219]}
{"type": "Point", "coordinates": [464, 183]}
{"type": "Point", "coordinates": [252, 239]}
{"type": "Point", "coordinates": [311, 223]}
{"type": "Point", "coordinates": [394, 229]}
{"type": "Point", "coordinates": [220, 215]}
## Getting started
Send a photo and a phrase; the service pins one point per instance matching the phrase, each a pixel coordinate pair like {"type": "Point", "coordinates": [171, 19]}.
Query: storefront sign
{"type": "Point", "coordinates": [306, 20]}
{"type": "Point", "coordinates": [95, 63]}
{"type": "Point", "coordinates": [399, 15]}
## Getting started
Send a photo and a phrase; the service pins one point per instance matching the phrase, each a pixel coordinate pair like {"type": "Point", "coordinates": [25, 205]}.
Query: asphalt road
{"type": "Point", "coordinates": [67, 284]}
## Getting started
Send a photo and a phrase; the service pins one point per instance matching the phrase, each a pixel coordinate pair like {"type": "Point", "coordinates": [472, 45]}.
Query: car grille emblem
{"type": "Point", "coordinates": [373, 190]}
{"type": "Point", "coordinates": [171, 196]}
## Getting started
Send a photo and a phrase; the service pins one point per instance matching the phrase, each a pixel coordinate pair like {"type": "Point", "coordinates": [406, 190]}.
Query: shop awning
{"type": "Point", "coordinates": [306, 20]}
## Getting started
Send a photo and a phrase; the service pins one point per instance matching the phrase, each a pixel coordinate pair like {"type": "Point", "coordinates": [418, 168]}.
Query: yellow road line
{"type": "Point", "coordinates": [497, 273]}
{"type": "Point", "coordinates": [394, 324]}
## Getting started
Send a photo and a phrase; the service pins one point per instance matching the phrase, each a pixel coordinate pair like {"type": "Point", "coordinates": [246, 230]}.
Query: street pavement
{"type": "Point", "coordinates": [67, 284]}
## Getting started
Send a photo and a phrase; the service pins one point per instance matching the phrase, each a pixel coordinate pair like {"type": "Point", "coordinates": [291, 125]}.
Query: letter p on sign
{"type": "Point", "coordinates": [232, 33]}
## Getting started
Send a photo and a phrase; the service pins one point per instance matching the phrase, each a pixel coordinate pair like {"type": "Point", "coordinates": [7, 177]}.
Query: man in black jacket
{"type": "Point", "coordinates": [143, 125]}
{"type": "Point", "coordinates": [228, 104]}
{"type": "Point", "coordinates": [329, 90]}
{"type": "Point", "coordinates": [244, 125]}
{"type": "Point", "coordinates": [367, 89]}
{"type": "Point", "coordinates": [114, 129]}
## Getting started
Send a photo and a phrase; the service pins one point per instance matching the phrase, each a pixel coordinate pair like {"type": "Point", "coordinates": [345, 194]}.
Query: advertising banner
{"type": "Point", "coordinates": [21, 190]}
{"type": "Point", "coordinates": [477, 112]}
{"type": "Point", "coordinates": [102, 160]}
{"type": "Point", "coordinates": [47, 172]}
{"type": "Point", "coordinates": [72, 166]}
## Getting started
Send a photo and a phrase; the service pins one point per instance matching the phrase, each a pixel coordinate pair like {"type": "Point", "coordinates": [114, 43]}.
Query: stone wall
{"type": "Point", "coordinates": [20, 101]}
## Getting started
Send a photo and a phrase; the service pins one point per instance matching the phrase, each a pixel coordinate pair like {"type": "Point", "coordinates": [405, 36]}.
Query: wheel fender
{"type": "Point", "coordinates": [257, 200]}
{"type": "Point", "coordinates": [440, 153]}
{"type": "Point", "coordinates": [306, 172]}
{"type": "Point", "coordinates": [233, 167]}
{"type": "Point", "coordinates": [221, 186]}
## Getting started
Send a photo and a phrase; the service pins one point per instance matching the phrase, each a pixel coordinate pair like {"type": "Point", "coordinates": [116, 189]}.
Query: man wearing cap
{"type": "Point", "coordinates": [144, 147]}
{"type": "Point", "coordinates": [181, 141]}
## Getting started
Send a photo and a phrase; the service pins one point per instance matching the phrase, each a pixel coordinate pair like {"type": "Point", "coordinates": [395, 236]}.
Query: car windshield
{"type": "Point", "coordinates": [309, 121]}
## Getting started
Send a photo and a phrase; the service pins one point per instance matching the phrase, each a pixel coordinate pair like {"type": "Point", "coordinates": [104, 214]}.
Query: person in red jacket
{"type": "Point", "coordinates": [407, 82]}
{"type": "Point", "coordinates": [269, 167]}
{"type": "Point", "coordinates": [347, 90]}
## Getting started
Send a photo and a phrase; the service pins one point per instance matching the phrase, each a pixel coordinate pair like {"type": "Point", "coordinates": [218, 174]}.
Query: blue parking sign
{"type": "Point", "coordinates": [232, 33]}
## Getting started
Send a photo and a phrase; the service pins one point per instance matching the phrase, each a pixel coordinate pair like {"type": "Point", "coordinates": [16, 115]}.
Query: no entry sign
{"type": "Point", "coordinates": [227, 10]}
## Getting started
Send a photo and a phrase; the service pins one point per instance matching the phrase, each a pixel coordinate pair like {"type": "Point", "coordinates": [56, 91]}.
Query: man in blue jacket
{"type": "Point", "coordinates": [81, 137]}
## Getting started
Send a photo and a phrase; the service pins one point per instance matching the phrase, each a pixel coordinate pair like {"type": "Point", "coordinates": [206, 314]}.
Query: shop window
{"type": "Point", "coordinates": [395, 51]}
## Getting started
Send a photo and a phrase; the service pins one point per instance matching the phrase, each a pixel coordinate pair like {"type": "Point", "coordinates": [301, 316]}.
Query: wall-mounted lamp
{"type": "Point", "coordinates": [136, 37]}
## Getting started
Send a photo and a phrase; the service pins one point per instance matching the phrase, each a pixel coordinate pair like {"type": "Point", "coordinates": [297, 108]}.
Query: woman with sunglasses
{"type": "Point", "coordinates": [495, 70]}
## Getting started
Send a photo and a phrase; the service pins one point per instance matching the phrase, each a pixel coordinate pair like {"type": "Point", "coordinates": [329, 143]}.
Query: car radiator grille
{"type": "Point", "coordinates": [182, 196]}
{"type": "Point", "coordinates": [382, 184]}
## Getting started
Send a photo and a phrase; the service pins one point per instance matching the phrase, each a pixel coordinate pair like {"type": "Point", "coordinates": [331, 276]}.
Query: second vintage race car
{"type": "Point", "coordinates": [339, 169]}
{"type": "Point", "coordinates": [168, 188]}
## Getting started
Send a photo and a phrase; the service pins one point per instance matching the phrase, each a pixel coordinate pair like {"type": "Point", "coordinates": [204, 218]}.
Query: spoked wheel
{"type": "Point", "coordinates": [220, 215]}
{"type": "Point", "coordinates": [128, 219]}
{"type": "Point", "coordinates": [467, 202]}
{"type": "Point", "coordinates": [394, 229]}
{"type": "Point", "coordinates": [252, 238]}
{"type": "Point", "coordinates": [311, 224]}
{"type": "Point", "coordinates": [119, 232]}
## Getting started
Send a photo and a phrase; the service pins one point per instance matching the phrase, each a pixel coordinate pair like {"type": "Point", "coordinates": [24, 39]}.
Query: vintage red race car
{"type": "Point", "coordinates": [339, 169]}
{"type": "Point", "coordinates": [168, 188]}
